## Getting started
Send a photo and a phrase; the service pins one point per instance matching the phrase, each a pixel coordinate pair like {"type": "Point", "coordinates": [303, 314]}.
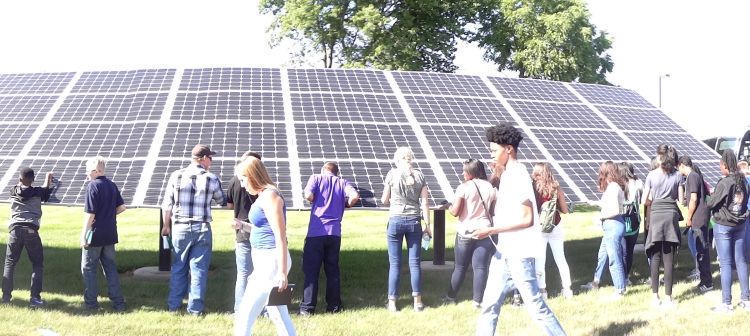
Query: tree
{"type": "Point", "coordinates": [392, 35]}
{"type": "Point", "coordinates": [547, 39]}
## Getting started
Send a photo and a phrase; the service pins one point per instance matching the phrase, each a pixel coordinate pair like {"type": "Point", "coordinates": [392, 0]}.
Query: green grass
{"type": "Point", "coordinates": [364, 282]}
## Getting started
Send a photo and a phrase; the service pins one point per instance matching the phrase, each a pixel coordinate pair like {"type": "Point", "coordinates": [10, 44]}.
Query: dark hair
{"type": "Point", "coordinates": [654, 163]}
{"type": "Point", "coordinates": [686, 161]}
{"type": "Point", "coordinates": [729, 159]}
{"type": "Point", "coordinates": [668, 157]}
{"type": "Point", "coordinates": [26, 173]}
{"type": "Point", "coordinates": [504, 134]}
{"type": "Point", "coordinates": [475, 168]}
{"type": "Point", "coordinates": [627, 171]}
{"type": "Point", "coordinates": [332, 167]}
{"type": "Point", "coordinates": [608, 172]}
{"type": "Point", "coordinates": [253, 154]}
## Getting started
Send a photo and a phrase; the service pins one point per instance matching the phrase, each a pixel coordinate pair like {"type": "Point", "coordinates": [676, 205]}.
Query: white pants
{"type": "Point", "coordinates": [259, 285]}
{"type": "Point", "coordinates": [556, 240]}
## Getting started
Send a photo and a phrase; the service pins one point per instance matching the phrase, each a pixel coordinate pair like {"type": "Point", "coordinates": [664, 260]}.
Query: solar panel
{"type": "Point", "coordinates": [429, 83]}
{"type": "Point", "coordinates": [683, 142]}
{"type": "Point", "coordinates": [338, 80]}
{"type": "Point", "coordinates": [231, 79]}
{"type": "Point", "coordinates": [636, 119]}
{"type": "Point", "coordinates": [521, 88]}
{"type": "Point", "coordinates": [70, 177]}
{"type": "Point", "coordinates": [34, 83]}
{"type": "Point", "coordinates": [357, 117]}
{"type": "Point", "coordinates": [131, 107]}
{"type": "Point", "coordinates": [25, 108]}
{"type": "Point", "coordinates": [346, 107]}
{"type": "Point", "coordinates": [254, 106]}
{"type": "Point", "coordinates": [543, 114]}
{"type": "Point", "coordinates": [358, 141]}
{"type": "Point", "coordinates": [14, 137]}
{"type": "Point", "coordinates": [586, 145]}
{"type": "Point", "coordinates": [228, 139]}
{"type": "Point", "coordinates": [89, 140]}
{"type": "Point", "coordinates": [224, 169]}
{"type": "Point", "coordinates": [124, 81]}
{"type": "Point", "coordinates": [610, 95]}
{"type": "Point", "coordinates": [458, 110]}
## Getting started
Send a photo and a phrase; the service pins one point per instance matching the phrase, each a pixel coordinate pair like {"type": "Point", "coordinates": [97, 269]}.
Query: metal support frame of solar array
{"type": "Point", "coordinates": [146, 121]}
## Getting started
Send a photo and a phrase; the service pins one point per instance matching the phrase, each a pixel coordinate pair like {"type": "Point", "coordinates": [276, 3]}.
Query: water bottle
{"type": "Point", "coordinates": [426, 241]}
{"type": "Point", "coordinates": [165, 242]}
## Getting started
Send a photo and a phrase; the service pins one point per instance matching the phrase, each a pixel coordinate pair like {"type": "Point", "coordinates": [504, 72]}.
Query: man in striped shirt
{"type": "Point", "coordinates": [187, 218]}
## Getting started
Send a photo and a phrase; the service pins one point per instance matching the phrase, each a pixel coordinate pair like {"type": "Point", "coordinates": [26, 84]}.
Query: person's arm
{"type": "Point", "coordinates": [120, 208]}
{"type": "Point", "coordinates": [524, 221]}
{"type": "Point", "coordinates": [717, 198]}
{"type": "Point", "coordinates": [309, 189]}
{"type": "Point", "coordinates": [88, 223]}
{"type": "Point", "coordinates": [426, 209]}
{"type": "Point", "coordinates": [273, 208]}
{"type": "Point", "coordinates": [228, 193]}
{"type": "Point", "coordinates": [167, 205]}
{"type": "Point", "coordinates": [218, 194]}
{"type": "Point", "coordinates": [456, 206]}
{"type": "Point", "coordinates": [562, 205]}
{"type": "Point", "coordinates": [352, 194]}
{"type": "Point", "coordinates": [386, 199]}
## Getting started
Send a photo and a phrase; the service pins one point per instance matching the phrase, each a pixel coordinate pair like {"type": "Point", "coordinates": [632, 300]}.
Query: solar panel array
{"type": "Point", "coordinates": [146, 121]}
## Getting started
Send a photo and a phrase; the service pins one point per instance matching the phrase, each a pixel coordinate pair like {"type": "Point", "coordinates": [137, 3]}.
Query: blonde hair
{"type": "Point", "coordinates": [544, 182]}
{"type": "Point", "coordinates": [97, 163]}
{"type": "Point", "coordinates": [256, 173]}
{"type": "Point", "coordinates": [403, 157]}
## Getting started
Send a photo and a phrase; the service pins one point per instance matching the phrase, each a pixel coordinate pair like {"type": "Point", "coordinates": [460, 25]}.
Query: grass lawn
{"type": "Point", "coordinates": [364, 265]}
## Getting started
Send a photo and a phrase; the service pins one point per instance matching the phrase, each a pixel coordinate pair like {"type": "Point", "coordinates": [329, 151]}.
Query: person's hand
{"type": "Point", "coordinates": [689, 223]}
{"type": "Point", "coordinates": [427, 230]}
{"type": "Point", "coordinates": [237, 224]}
{"type": "Point", "coordinates": [166, 231]}
{"type": "Point", "coordinates": [83, 243]}
{"type": "Point", "coordinates": [281, 281]}
{"type": "Point", "coordinates": [49, 178]}
{"type": "Point", "coordinates": [481, 233]}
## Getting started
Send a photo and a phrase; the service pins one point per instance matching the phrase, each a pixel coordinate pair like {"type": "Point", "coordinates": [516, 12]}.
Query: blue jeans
{"type": "Point", "coordinates": [730, 246]}
{"type": "Point", "coordinates": [244, 268]}
{"type": "Point", "coordinates": [322, 250]}
{"type": "Point", "coordinates": [91, 258]}
{"type": "Point", "coordinates": [504, 276]}
{"type": "Point", "coordinates": [477, 253]}
{"type": "Point", "coordinates": [398, 228]}
{"type": "Point", "coordinates": [612, 242]}
{"type": "Point", "coordinates": [19, 238]}
{"type": "Point", "coordinates": [191, 251]}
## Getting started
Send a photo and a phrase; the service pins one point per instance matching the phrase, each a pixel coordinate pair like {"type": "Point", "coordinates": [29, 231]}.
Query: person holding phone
{"type": "Point", "coordinates": [473, 204]}
{"type": "Point", "coordinates": [271, 259]}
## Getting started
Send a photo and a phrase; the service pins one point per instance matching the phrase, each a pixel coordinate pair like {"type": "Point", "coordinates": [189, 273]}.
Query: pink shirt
{"type": "Point", "coordinates": [473, 214]}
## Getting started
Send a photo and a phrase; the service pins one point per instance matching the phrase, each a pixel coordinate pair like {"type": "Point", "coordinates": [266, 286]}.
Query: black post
{"type": "Point", "coordinates": [165, 255]}
{"type": "Point", "coordinates": [439, 235]}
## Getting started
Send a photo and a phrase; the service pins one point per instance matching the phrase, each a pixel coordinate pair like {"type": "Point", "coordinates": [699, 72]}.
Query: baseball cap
{"type": "Point", "coordinates": [201, 151]}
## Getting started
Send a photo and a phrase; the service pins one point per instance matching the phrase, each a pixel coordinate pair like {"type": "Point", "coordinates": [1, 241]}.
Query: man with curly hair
{"type": "Point", "coordinates": [515, 224]}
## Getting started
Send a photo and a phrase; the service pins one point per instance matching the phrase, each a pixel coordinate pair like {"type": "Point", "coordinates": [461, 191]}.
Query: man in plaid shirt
{"type": "Point", "coordinates": [187, 218]}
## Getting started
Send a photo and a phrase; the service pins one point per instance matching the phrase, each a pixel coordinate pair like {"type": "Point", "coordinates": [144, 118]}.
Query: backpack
{"type": "Point", "coordinates": [547, 214]}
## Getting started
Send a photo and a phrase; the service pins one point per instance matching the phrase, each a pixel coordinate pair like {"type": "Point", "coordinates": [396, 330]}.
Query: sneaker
{"type": "Point", "coordinates": [418, 307]}
{"type": "Point", "coordinates": [703, 288]}
{"type": "Point", "coordinates": [448, 300]}
{"type": "Point", "coordinates": [655, 302]}
{"type": "Point", "coordinates": [744, 304]}
{"type": "Point", "coordinates": [544, 294]}
{"type": "Point", "coordinates": [517, 300]}
{"type": "Point", "coordinates": [305, 313]}
{"type": "Point", "coordinates": [590, 286]}
{"type": "Point", "coordinates": [616, 296]}
{"type": "Point", "coordinates": [392, 306]}
{"type": "Point", "coordinates": [669, 304]}
{"type": "Point", "coordinates": [476, 304]}
{"type": "Point", "coordinates": [36, 302]}
{"type": "Point", "coordinates": [567, 293]}
{"type": "Point", "coordinates": [722, 308]}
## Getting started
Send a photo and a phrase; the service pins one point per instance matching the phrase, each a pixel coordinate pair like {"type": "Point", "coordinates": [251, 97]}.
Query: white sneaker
{"type": "Point", "coordinates": [655, 303]}
{"type": "Point", "coordinates": [567, 293]}
{"type": "Point", "coordinates": [669, 304]}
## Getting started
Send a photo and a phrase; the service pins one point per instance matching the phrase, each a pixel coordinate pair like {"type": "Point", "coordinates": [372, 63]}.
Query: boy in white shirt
{"type": "Point", "coordinates": [516, 224]}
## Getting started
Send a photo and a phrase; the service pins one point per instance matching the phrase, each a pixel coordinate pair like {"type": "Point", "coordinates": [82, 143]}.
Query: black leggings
{"type": "Point", "coordinates": [629, 251]}
{"type": "Point", "coordinates": [662, 252]}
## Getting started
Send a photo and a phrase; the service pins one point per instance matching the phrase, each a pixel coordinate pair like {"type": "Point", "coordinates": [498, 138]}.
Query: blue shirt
{"type": "Point", "coordinates": [261, 236]}
{"type": "Point", "coordinates": [102, 200]}
{"type": "Point", "coordinates": [329, 200]}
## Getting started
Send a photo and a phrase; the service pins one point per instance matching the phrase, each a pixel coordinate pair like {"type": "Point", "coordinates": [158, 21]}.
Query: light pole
{"type": "Point", "coordinates": [660, 77]}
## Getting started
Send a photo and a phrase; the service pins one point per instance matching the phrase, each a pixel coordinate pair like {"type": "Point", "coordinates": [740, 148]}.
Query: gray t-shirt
{"type": "Point", "coordinates": [405, 191]}
{"type": "Point", "coordinates": [663, 185]}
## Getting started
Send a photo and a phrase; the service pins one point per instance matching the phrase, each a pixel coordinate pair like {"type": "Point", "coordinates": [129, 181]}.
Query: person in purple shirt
{"type": "Point", "coordinates": [329, 194]}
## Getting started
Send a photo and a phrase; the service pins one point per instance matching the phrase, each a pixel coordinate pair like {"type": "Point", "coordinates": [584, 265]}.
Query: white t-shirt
{"type": "Point", "coordinates": [515, 188]}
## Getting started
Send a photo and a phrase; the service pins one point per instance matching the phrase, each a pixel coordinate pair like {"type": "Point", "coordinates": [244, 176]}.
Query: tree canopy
{"type": "Point", "coordinates": [550, 39]}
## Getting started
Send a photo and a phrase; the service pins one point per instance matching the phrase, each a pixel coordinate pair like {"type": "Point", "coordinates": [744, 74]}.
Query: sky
{"type": "Point", "coordinates": [701, 45]}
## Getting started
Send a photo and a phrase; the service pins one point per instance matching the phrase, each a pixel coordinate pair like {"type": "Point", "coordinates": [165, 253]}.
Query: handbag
{"type": "Point", "coordinates": [487, 212]}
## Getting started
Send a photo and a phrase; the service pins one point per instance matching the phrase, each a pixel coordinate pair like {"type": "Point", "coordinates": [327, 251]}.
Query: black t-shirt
{"type": "Point", "coordinates": [694, 184]}
{"type": "Point", "coordinates": [242, 201]}
{"type": "Point", "coordinates": [102, 200]}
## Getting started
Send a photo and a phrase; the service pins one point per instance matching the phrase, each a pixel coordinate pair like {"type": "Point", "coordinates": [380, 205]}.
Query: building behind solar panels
{"type": "Point", "coordinates": [146, 121]}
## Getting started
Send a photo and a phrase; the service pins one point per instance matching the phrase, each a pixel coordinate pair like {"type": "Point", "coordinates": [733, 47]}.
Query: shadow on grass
{"type": "Point", "coordinates": [619, 328]}
{"type": "Point", "coordinates": [364, 278]}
